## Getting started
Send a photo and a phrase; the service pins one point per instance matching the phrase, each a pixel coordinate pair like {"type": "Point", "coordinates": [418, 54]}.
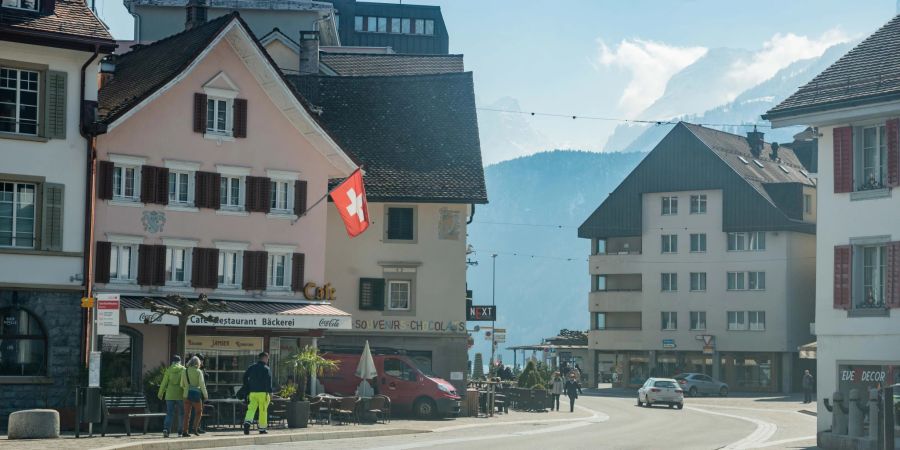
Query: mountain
{"type": "Point", "coordinates": [691, 94]}
{"type": "Point", "coordinates": [542, 277]}
{"type": "Point", "coordinates": [506, 135]}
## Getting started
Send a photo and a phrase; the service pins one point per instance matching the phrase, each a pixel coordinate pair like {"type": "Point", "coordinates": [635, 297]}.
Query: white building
{"type": "Point", "coordinates": [50, 54]}
{"type": "Point", "coordinates": [702, 261]}
{"type": "Point", "coordinates": [855, 107]}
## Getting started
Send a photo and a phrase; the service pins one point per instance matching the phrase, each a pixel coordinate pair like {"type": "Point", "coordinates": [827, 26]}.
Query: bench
{"type": "Point", "coordinates": [124, 408]}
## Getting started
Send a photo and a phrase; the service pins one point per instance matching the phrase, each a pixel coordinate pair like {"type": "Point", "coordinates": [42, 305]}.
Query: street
{"type": "Point", "coordinates": [612, 420]}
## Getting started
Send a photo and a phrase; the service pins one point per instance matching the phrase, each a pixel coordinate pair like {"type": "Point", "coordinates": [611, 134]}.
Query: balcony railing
{"type": "Point", "coordinates": [619, 290]}
{"type": "Point", "coordinates": [636, 328]}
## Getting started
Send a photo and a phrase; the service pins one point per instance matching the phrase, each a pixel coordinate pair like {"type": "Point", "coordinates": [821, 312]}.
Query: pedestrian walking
{"type": "Point", "coordinates": [577, 371]}
{"type": "Point", "coordinates": [571, 389]}
{"type": "Point", "coordinates": [170, 390]}
{"type": "Point", "coordinates": [556, 388]}
{"type": "Point", "coordinates": [807, 383]}
{"type": "Point", "coordinates": [194, 394]}
{"type": "Point", "coordinates": [258, 384]}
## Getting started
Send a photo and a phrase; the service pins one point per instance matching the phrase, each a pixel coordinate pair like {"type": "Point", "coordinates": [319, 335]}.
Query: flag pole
{"type": "Point", "coordinates": [324, 197]}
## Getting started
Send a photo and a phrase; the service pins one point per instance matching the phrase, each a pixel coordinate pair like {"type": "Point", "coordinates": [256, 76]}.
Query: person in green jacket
{"type": "Point", "coordinates": [194, 394]}
{"type": "Point", "coordinates": [170, 390]}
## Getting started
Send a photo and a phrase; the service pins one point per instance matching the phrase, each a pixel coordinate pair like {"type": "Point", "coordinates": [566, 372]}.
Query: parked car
{"type": "Point", "coordinates": [411, 388]}
{"type": "Point", "coordinates": [695, 384]}
{"type": "Point", "coordinates": [661, 390]}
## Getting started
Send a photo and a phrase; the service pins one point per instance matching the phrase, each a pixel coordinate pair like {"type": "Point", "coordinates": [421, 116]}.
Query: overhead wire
{"type": "Point", "coordinates": [617, 119]}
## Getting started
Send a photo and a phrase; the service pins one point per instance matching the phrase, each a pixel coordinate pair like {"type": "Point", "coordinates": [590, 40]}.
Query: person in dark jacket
{"type": "Point", "coordinates": [258, 385]}
{"type": "Point", "coordinates": [808, 382]}
{"type": "Point", "coordinates": [571, 389]}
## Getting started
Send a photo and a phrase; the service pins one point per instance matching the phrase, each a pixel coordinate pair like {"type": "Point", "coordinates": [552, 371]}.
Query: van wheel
{"type": "Point", "coordinates": [424, 408]}
{"type": "Point", "coordinates": [723, 392]}
{"type": "Point", "coordinates": [693, 391]}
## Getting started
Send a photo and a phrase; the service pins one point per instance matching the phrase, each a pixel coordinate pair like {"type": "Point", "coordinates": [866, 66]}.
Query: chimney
{"type": "Point", "coordinates": [107, 69]}
{"type": "Point", "coordinates": [195, 14]}
{"type": "Point", "coordinates": [755, 139]}
{"type": "Point", "coordinates": [774, 154]}
{"type": "Point", "coordinates": [309, 52]}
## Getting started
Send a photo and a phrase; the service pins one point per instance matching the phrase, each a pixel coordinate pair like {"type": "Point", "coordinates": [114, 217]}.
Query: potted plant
{"type": "Point", "coordinates": [304, 364]}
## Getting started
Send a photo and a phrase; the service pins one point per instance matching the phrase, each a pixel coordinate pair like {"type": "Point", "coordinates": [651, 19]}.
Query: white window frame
{"type": "Point", "coordinates": [669, 205]}
{"type": "Point", "coordinates": [736, 325]}
{"type": "Point", "coordinates": [698, 324]}
{"type": "Point", "coordinates": [219, 102]}
{"type": "Point", "coordinates": [753, 320]}
{"type": "Point", "coordinates": [15, 209]}
{"type": "Point", "coordinates": [863, 178]}
{"type": "Point", "coordinates": [807, 203]}
{"type": "Point", "coordinates": [180, 245]}
{"type": "Point", "coordinates": [700, 240]}
{"type": "Point", "coordinates": [669, 244]}
{"type": "Point", "coordinates": [739, 282]}
{"type": "Point", "coordinates": [878, 274]}
{"type": "Point", "coordinates": [18, 90]}
{"type": "Point", "coordinates": [288, 178]}
{"type": "Point", "coordinates": [235, 248]}
{"type": "Point", "coordinates": [669, 318]}
{"type": "Point", "coordinates": [698, 204]}
{"type": "Point", "coordinates": [756, 281]}
{"type": "Point", "coordinates": [390, 291]}
{"type": "Point", "coordinates": [279, 251]}
{"type": "Point", "coordinates": [745, 241]}
{"type": "Point", "coordinates": [698, 282]}
{"type": "Point", "coordinates": [182, 168]}
{"type": "Point", "coordinates": [225, 94]}
{"type": "Point", "coordinates": [668, 282]}
{"type": "Point", "coordinates": [117, 245]}
{"type": "Point", "coordinates": [120, 164]}
{"type": "Point", "coordinates": [232, 172]}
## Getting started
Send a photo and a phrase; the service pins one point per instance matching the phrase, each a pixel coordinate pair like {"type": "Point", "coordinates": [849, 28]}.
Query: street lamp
{"type": "Point", "coordinates": [494, 304]}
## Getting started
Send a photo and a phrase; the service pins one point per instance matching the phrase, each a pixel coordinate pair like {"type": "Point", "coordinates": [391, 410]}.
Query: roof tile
{"type": "Point", "coordinates": [70, 18]}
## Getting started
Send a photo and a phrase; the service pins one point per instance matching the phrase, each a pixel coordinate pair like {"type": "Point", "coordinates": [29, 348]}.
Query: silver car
{"type": "Point", "coordinates": [660, 390]}
{"type": "Point", "coordinates": [695, 384]}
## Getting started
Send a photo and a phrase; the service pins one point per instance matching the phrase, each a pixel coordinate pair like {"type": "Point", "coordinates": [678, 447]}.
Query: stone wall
{"type": "Point", "coordinates": [60, 315]}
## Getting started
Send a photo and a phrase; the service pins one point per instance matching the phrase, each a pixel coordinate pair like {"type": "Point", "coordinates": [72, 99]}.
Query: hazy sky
{"type": "Point", "coordinates": [613, 58]}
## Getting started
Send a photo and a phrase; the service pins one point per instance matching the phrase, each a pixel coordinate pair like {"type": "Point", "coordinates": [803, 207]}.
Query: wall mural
{"type": "Point", "coordinates": [153, 221]}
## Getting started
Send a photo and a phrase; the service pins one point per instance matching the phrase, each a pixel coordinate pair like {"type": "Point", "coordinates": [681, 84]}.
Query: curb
{"type": "Point", "coordinates": [228, 441]}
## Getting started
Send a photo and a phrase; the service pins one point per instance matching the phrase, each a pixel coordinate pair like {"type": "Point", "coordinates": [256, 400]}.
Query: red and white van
{"type": "Point", "coordinates": [410, 389]}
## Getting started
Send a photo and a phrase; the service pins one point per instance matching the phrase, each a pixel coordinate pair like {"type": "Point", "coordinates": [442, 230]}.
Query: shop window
{"type": "Point", "coordinates": [753, 372]}
{"type": "Point", "coordinates": [23, 344]}
{"type": "Point", "coordinates": [120, 366]}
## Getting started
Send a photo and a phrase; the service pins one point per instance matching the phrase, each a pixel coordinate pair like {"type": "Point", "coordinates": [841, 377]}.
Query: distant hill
{"type": "Point", "coordinates": [554, 192]}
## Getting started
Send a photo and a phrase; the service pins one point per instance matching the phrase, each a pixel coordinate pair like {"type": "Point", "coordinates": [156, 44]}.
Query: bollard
{"type": "Point", "coordinates": [855, 421]}
{"type": "Point", "coordinates": [874, 413]}
{"type": "Point", "coordinates": [839, 415]}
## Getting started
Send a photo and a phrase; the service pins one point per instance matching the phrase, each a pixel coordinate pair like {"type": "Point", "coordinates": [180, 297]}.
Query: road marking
{"type": "Point", "coordinates": [764, 430]}
{"type": "Point", "coordinates": [785, 441]}
{"type": "Point", "coordinates": [596, 417]}
{"type": "Point", "coordinates": [743, 408]}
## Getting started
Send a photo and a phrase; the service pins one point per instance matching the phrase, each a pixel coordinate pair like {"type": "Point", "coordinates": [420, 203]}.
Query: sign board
{"type": "Point", "coordinates": [456, 376]}
{"type": "Point", "coordinates": [500, 330]}
{"type": "Point", "coordinates": [107, 314]}
{"type": "Point", "coordinates": [248, 320]}
{"type": "Point", "coordinates": [248, 344]}
{"type": "Point", "coordinates": [94, 370]}
{"type": "Point", "coordinates": [709, 343]}
{"type": "Point", "coordinates": [477, 313]}
{"type": "Point", "coordinates": [488, 335]}
{"type": "Point", "coordinates": [668, 343]}
{"type": "Point", "coordinates": [500, 339]}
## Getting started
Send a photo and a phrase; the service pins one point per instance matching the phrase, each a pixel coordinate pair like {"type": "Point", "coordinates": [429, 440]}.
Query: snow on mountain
{"type": "Point", "coordinates": [507, 135]}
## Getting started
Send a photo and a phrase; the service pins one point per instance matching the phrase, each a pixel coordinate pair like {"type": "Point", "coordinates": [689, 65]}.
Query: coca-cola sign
{"type": "Point", "coordinates": [329, 323]}
{"type": "Point", "coordinates": [247, 320]}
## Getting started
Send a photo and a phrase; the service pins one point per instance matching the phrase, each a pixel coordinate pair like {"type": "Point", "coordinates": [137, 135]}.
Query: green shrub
{"type": "Point", "coordinates": [532, 378]}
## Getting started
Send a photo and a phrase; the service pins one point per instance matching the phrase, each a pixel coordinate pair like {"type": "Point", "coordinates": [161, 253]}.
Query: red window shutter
{"type": "Point", "coordinates": [892, 128]}
{"type": "Point", "coordinates": [297, 272]}
{"type": "Point", "coordinates": [162, 185]}
{"type": "Point", "coordinates": [208, 190]}
{"type": "Point", "coordinates": [212, 268]}
{"type": "Point", "coordinates": [148, 184]}
{"type": "Point", "coordinates": [199, 113]}
{"type": "Point", "coordinates": [255, 270]}
{"type": "Point", "coordinates": [842, 276]}
{"type": "Point", "coordinates": [843, 159]}
{"type": "Point", "coordinates": [300, 197]}
{"type": "Point", "coordinates": [105, 180]}
{"type": "Point", "coordinates": [149, 265]}
{"type": "Point", "coordinates": [101, 262]}
{"type": "Point", "coordinates": [259, 194]}
{"type": "Point", "coordinates": [197, 267]}
{"type": "Point", "coordinates": [892, 278]}
{"type": "Point", "coordinates": [240, 118]}
{"type": "Point", "coordinates": [247, 276]}
{"type": "Point", "coordinates": [159, 265]}
{"type": "Point", "coordinates": [262, 265]}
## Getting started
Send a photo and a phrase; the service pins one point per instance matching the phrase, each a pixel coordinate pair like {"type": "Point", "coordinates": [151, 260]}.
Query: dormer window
{"type": "Point", "coordinates": [218, 113]}
{"type": "Point", "coordinates": [218, 116]}
{"type": "Point", "coordinates": [21, 4]}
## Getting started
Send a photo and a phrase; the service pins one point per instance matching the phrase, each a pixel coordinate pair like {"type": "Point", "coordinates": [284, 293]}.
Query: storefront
{"type": "Point", "coordinates": [751, 372]}
{"type": "Point", "coordinates": [229, 344]}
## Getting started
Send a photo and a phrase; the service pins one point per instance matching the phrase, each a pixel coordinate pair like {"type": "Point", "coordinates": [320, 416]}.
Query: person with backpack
{"type": "Point", "coordinates": [194, 394]}
{"type": "Point", "coordinates": [258, 386]}
{"type": "Point", "coordinates": [170, 390]}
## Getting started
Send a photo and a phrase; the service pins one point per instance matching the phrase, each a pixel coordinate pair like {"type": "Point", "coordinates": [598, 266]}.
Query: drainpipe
{"type": "Point", "coordinates": [472, 216]}
{"type": "Point", "coordinates": [88, 258]}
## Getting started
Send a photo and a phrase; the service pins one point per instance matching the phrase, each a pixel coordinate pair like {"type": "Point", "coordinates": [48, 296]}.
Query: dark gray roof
{"type": "Point", "coordinates": [57, 21]}
{"type": "Point", "coordinates": [365, 64]}
{"type": "Point", "coordinates": [691, 157]}
{"type": "Point", "coordinates": [416, 135]}
{"type": "Point", "coordinates": [869, 73]}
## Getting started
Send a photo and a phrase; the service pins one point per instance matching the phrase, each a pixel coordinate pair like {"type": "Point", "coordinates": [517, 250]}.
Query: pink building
{"type": "Point", "coordinates": [208, 165]}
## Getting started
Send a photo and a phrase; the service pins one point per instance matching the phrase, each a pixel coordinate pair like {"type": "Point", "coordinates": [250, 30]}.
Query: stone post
{"type": "Point", "coordinates": [855, 422]}
{"type": "Point", "coordinates": [874, 422]}
{"type": "Point", "coordinates": [839, 415]}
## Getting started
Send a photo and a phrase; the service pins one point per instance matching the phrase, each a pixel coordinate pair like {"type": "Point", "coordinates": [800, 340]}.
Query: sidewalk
{"type": "Point", "coordinates": [228, 438]}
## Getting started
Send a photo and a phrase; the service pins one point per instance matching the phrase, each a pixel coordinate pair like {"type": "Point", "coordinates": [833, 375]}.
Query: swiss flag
{"type": "Point", "coordinates": [350, 199]}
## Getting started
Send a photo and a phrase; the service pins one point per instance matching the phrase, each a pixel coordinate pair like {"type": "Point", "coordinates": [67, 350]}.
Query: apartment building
{"type": "Point", "coordinates": [702, 260]}
{"type": "Point", "coordinates": [402, 27]}
{"type": "Point", "coordinates": [50, 53]}
{"type": "Point", "coordinates": [853, 107]}
{"type": "Point", "coordinates": [207, 174]}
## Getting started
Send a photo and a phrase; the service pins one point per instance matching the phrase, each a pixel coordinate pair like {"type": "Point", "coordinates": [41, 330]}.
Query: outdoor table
{"type": "Point", "coordinates": [224, 401]}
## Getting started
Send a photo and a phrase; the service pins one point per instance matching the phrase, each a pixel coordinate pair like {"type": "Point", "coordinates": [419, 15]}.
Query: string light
{"type": "Point", "coordinates": [618, 119]}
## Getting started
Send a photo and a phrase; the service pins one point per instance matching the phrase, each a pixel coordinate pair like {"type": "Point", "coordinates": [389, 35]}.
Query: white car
{"type": "Point", "coordinates": [661, 390]}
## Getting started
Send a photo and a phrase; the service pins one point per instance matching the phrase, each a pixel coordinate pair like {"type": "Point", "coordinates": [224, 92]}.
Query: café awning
{"type": "Point", "coordinates": [273, 315]}
{"type": "Point", "coordinates": [808, 351]}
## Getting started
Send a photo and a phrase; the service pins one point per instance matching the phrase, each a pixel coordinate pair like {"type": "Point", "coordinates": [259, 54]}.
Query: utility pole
{"type": "Point", "coordinates": [494, 304]}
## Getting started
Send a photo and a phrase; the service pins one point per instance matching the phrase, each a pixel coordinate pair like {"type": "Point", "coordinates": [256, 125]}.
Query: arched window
{"type": "Point", "coordinates": [23, 344]}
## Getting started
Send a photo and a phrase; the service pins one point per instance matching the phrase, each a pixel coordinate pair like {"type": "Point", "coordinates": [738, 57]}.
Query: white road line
{"type": "Point", "coordinates": [743, 408]}
{"type": "Point", "coordinates": [764, 430]}
{"type": "Point", "coordinates": [597, 417]}
{"type": "Point", "coordinates": [785, 441]}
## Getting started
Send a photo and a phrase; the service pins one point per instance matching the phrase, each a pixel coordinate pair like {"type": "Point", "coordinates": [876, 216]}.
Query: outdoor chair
{"type": "Point", "coordinates": [346, 410]}
{"type": "Point", "coordinates": [278, 412]}
{"type": "Point", "coordinates": [376, 408]}
{"type": "Point", "coordinates": [318, 410]}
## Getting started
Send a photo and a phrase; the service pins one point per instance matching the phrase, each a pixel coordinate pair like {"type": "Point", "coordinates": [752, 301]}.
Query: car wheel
{"type": "Point", "coordinates": [693, 391]}
{"type": "Point", "coordinates": [648, 404]}
{"type": "Point", "coordinates": [680, 405]}
{"type": "Point", "coordinates": [723, 392]}
{"type": "Point", "coordinates": [424, 408]}
{"type": "Point", "coordinates": [640, 403]}
{"type": "Point", "coordinates": [671, 405]}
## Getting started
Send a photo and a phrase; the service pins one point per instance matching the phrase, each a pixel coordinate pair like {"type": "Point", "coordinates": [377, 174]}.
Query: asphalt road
{"type": "Point", "coordinates": [617, 423]}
